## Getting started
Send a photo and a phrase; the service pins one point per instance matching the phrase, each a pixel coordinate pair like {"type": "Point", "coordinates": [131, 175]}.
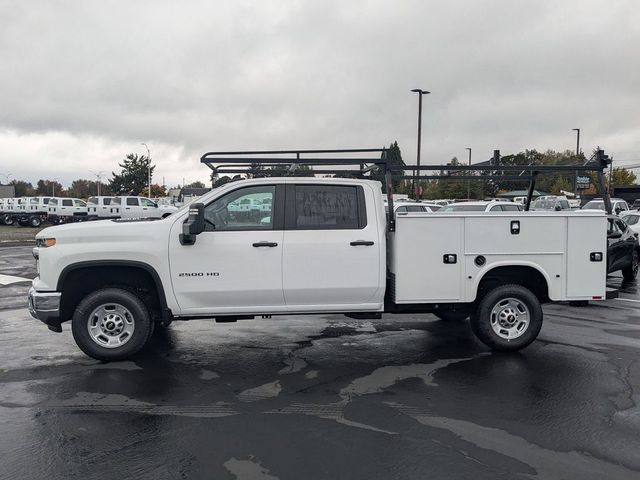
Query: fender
{"type": "Point", "coordinates": [118, 263]}
{"type": "Point", "coordinates": [507, 263]}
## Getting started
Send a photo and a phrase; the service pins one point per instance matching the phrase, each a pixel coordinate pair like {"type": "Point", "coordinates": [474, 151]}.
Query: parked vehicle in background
{"type": "Point", "coordinates": [8, 208]}
{"type": "Point", "coordinates": [137, 207]}
{"type": "Point", "coordinates": [551, 202]}
{"type": "Point", "coordinates": [623, 251]}
{"type": "Point", "coordinates": [99, 207]}
{"type": "Point", "coordinates": [412, 207]}
{"type": "Point", "coordinates": [636, 204]}
{"type": "Point", "coordinates": [492, 206]}
{"type": "Point", "coordinates": [632, 219]}
{"type": "Point", "coordinates": [63, 210]}
{"type": "Point", "coordinates": [618, 205]}
{"type": "Point", "coordinates": [34, 212]}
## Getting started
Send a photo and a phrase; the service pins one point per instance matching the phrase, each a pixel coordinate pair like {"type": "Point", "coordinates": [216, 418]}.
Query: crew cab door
{"type": "Point", "coordinates": [332, 249]}
{"type": "Point", "coordinates": [235, 265]}
{"type": "Point", "coordinates": [131, 208]}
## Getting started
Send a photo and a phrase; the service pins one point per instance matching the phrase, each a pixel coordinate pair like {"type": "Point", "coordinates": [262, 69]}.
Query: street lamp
{"type": "Point", "coordinates": [148, 166]}
{"type": "Point", "coordinates": [53, 186]}
{"type": "Point", "coordinates": [99, 177]}
{"type": "Point", "coordinates": [575, 176]}
{"type": "Point", "coordinates": [6, 176]}
{"type": "Point", "coordinates": [469, 181]}
{"type": "Point", "coordinates": [420, 92]}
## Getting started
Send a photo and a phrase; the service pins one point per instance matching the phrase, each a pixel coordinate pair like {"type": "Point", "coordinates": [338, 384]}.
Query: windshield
{"type": "Point", "coordinates": [33, 201]}
{"type": "Point", "coordinates": [594, 205]}
{"type": "Point", "coordinates": [53, 201]}
{"type": "Point", "coordinates": [116, 200]}
{"type": "Point", "coordinates": [461, 207]}
{"type": "Point", "coordinates": [92, 200]}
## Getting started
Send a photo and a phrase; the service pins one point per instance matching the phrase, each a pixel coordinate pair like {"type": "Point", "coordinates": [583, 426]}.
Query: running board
{"type": "Point", "coordinates": [612, 293]}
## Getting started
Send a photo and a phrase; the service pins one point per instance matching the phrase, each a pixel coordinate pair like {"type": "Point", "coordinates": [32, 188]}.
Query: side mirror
{"type": "Point", "coordinates": [614, 235]}
{"type": "Point", "coordinates": [194, 224]}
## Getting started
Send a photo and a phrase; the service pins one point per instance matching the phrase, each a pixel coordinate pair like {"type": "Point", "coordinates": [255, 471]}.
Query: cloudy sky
{"type": "Point", "coordinates": [83, 83]}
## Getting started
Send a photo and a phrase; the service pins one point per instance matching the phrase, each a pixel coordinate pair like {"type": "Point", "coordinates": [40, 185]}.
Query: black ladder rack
{"type": "Point", "coordinates": [334, 162]}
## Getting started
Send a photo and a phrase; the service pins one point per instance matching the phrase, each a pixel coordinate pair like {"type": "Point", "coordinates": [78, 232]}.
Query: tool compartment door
{"type": "Point", "coordinates": [420, 245]}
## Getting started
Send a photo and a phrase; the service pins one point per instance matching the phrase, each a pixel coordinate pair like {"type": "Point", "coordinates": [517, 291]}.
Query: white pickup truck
{"type": "Point", "coordinates": [131, 207]}
{"type": "Point", "coordinates": [324, 247]}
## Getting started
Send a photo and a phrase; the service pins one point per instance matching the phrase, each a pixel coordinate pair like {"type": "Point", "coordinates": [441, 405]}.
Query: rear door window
{"type": "Point", "coordinates": [67, 203]}
{"type": "Point", "coordinates": [325, 207]}
{"type": "Point", "coordinates": [132, 201]}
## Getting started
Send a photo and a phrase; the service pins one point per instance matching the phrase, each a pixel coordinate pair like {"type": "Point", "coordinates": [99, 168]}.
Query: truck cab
{"type": "Point", "coordinates": [62, 210]}
{"type": "Point", "coordinates": [99, 207]}
{"type": "Point", "coordinates": [130, 207]}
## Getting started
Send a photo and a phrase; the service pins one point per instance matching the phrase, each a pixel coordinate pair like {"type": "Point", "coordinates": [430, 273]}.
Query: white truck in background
{"type": "Point", "coordinates": [323, 247]}
{"type": "Point", "coordinates": [65, 210]}
{"type": "Point", "coordinates": [131, 207]}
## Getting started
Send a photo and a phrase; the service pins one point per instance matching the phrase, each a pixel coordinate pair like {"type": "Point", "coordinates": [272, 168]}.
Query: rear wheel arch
{"type": "Point", "coordinates": [525, 275]}
{"type": "Point", "coordinates": [78, 280]}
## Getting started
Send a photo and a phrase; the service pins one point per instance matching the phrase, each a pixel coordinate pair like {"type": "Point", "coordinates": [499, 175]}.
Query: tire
{"type": "Point", "coordinates": [452, 315]}
{"type": "Point", "coordinates": [111, 324]}
{"type": "Point", "coordinates": [8, 220]}
{"type": "Point", "coordinates": [631, 272]}
{"type": "Point", "coordinates": [35, 222]}
{"type": "Point", "coordinates": [508, 318]}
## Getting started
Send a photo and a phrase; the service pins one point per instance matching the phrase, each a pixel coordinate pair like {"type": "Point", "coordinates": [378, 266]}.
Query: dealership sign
{"type": "Point", "coordinates": [582, 181]}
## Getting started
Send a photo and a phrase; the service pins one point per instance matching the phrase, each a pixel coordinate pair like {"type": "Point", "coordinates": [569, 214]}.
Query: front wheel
{"type": "Point", "coordinates": [35, 221]}
{"type": "Point", "coordinates": [111, 324]}
{"type": "Point", "coordinates": [8, 220]}
{"type": "Point", "coordinates": [631, 272]}
{"type": "Point", "coordinates": [508, 318]}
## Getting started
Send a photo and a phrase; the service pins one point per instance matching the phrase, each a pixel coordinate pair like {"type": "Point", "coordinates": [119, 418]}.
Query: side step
{"type": "Point", "coordinates": [612, 293]}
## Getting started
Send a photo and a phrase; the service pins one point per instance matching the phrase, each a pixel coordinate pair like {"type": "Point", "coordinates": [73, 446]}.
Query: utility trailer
{"type": "Point", "coordinates": [319, 246]}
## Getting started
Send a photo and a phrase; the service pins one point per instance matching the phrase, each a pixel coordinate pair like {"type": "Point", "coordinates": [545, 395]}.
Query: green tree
{"type": "Point", "coordinates": [22, 188]}
{"type": "Point", "coordinates": [561, 183]}
{"type": "Point", "coordinates": [133, 177]}
{"type": "Point", "coordinates": [196, 184]}
{"type": "Point", "coordinates": [48, 187]}
{"type": "Point", "coordinates": [622, 177]}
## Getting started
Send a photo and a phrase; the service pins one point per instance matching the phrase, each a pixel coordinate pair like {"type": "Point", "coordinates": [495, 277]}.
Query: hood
{"type": "Point", "coordinates": [107, 230]}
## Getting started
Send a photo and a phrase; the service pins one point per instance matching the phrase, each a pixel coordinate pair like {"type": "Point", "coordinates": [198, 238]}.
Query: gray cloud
{"type": "Point", "coordinates": [83, 83]}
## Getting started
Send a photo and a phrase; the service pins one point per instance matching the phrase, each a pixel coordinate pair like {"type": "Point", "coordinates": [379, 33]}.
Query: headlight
{"type": "Point", "coordinates": [45, 242]}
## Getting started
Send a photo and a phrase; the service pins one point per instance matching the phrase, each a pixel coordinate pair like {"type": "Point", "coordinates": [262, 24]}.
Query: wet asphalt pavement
{"type": "Point", "coordinates": [300, 397]}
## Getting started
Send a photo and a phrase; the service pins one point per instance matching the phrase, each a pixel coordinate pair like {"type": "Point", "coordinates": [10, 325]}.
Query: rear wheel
{"type": "Point", "coordinates": [111, 324]}
{"type": "Point", "coordinates": [631, 272]}
{"type": "Point", "coordinates": [8, 220]}
{"type": "Point", "coordinates": [508, 318]}
{"type": "Point", "coordinates": [35, 221]}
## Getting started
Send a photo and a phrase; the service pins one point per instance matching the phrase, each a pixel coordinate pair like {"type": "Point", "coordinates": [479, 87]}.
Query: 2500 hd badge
{"type": "Point", "coordinates": [199, 274]}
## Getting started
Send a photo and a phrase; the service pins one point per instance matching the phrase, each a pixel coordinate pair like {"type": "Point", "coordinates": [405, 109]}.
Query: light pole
{"type": "Point", "coordinates": [469, 181]}
{"type": "Point", "coordinates": [99, 178]}
{"type": "Point", "coordinates": [575, 176]}
{"type": "Point", "coordinates": [53, 186]}
{"type": "Point", "coordinates": [420, 92]}
{"type": "Point", "coordinates": [148, 166]}
{"type": "Point", "coordinates": [6, 176]}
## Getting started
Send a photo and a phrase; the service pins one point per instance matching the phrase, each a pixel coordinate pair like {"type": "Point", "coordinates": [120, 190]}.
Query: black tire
{"type": "Point", "coordinates": [7, 220]}
{"type": "Point", "coordinates": [139, 316]}
{"type": "Point", "coordinates": [631, 272]}
{"type": "Point", "coordinates": [452, 315]}
{"type": "Point", "coordinates": [482, 320]}
{"type": "Point", "coordinates": [35, 222]}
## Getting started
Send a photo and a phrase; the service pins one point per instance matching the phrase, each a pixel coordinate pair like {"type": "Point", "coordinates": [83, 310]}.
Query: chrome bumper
{"type": "Point", "coordinates": [45, 306]}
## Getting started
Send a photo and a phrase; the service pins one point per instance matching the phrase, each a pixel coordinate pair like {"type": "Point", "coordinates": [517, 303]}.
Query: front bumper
{"type": "Point", "coordinates": [45, 306]}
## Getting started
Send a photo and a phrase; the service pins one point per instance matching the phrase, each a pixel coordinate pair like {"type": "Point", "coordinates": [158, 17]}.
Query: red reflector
{"type": "Point", "coordinates": [597, 298]}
